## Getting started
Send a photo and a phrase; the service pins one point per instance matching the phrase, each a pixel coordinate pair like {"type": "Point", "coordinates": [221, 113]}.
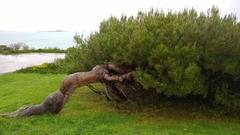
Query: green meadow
{"type": "Point", "coordinates": [87, 113]}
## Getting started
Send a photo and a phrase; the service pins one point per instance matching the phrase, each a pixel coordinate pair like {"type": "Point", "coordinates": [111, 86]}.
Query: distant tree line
{"type": "Point", "coordinates": [24, 48]}
{"type": "Point", "coordinates": [15, 47]}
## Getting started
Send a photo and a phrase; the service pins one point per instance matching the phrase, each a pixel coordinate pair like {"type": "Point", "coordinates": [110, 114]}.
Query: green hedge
{"type": "Point", "coordinates": [178, 54]}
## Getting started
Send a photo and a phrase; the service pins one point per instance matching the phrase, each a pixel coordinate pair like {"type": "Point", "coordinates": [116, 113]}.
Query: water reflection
{"type": "Point", "coordinates": [10, 63]}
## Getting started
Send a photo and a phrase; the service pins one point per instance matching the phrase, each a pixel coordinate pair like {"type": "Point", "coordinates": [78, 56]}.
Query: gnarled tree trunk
{"type": "Point", "coordinates": [119, 87]}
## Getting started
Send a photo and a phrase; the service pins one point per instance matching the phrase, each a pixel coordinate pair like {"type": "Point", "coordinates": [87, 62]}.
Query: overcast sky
{"type": "Point", "coordinates": [80, 16]}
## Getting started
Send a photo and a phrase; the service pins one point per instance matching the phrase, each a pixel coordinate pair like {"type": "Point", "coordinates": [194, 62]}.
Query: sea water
{"type": "Point", "coordinates": [37, 40]}
{"type": "Point", "coordinates": [11, 63]}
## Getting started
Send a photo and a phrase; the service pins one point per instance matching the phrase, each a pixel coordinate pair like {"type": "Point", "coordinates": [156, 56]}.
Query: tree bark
{"type": "Point", "coordinates": [113, 76]}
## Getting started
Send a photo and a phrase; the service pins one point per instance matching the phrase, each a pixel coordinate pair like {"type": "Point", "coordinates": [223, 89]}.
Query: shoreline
{"type": "Point", "coordinates": [11, 52]}
{"type": "Point", "coordinates": [13, 62]}
{"type": "Point", "coordinates": [19, 53]}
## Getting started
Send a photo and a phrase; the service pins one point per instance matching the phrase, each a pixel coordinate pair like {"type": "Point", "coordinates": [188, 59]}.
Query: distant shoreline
{"type": "Point", "coordinates": [40, 38]}
{"type": "Point", "coordinates": [19, 48]}
{"type": "Point", "coordinates": [32, 51]}
{"type": "Point", "coordinates": [18, 53]}
{"type": "Point", "coordinates": [54, 31]}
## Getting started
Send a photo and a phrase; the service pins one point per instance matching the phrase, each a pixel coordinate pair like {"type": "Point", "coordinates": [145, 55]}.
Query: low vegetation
{"type": "Point", "coordinates": [45, 68]}
{"type": "Point", "coordinates": [87, 113]}
{"type": "Point", "coordinates": [17, 48]}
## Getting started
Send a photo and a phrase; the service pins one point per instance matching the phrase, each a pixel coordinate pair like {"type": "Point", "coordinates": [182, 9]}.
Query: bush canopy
{"type": "Point", "coordinates": [178, 54]}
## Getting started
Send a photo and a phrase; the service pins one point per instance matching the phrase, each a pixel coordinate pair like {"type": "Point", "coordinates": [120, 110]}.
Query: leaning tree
{"type": "Point", "coordinates": [181, 54]}
{"type": "Point", "coordinates": [116, 79]}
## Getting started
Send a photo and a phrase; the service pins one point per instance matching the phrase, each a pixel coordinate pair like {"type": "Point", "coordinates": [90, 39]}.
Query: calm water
{"type": "Point", "coordinates": [10, 63]}
{"type": "Point", "coordinates": [61, 40]}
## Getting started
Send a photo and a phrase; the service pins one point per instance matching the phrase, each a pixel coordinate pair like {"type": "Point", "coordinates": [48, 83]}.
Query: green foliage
{"type": "Point", "coordinates": [53, 68]}
{"type": "Point", "coordinates": [23, 48]}
{"type": "Point", "coordinates": [178, 54]}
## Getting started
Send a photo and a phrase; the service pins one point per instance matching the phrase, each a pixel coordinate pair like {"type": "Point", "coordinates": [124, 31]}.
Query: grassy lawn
{"type": "Point", "coordinates": [87, 113]}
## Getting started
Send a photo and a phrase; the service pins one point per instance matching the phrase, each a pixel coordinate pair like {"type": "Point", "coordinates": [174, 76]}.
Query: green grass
{"type": "Point", "coordinates": [87, 113]}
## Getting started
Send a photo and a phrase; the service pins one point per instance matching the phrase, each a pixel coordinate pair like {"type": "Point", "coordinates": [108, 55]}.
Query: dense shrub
{"type": "Point", "coordinates": [45, 68]}
{"type": "Point", "coordinates": [178, 54]}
